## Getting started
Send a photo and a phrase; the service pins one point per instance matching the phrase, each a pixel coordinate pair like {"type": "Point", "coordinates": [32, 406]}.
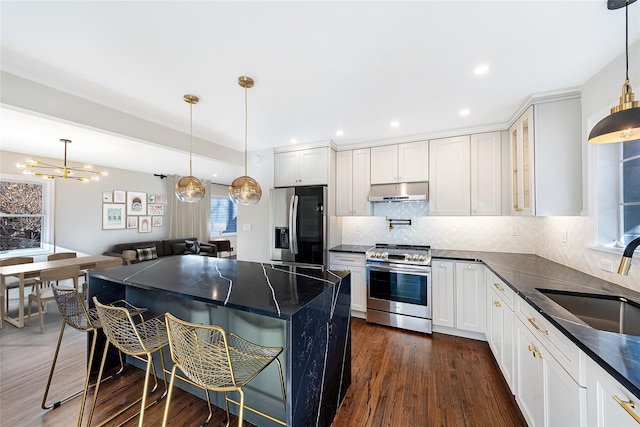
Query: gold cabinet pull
{"type": "Point", "coordinates": [627, 407]}
{"type": "Point", "coordinates": [535, 351]}
{"type": "Point", "coordinates": [497, 303]}
{"type": "Point", "coordinates": [533, 322]}
{"type": "Point", "coordinates": [500, 288]}
{"type": "Point", "coordinates": [518, 209]}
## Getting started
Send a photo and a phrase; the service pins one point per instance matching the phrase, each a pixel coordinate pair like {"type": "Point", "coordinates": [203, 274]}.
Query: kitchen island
{"type": "Point", "coordinates": [304, 310]}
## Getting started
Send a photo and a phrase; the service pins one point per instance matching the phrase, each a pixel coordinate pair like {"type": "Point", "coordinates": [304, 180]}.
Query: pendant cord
{"type": "Point", "coordinates": [190, 136]}
{"type": "Point", "coordinates": [246, 129]}
{"type": "Point", "coordinates": [626, 36]}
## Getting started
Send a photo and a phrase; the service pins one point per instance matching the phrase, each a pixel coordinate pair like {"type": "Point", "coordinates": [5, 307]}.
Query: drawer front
{"type": "Point", "coordinates": [346, 258]}
{"type": "Point", "coordinates": [568, 355]}
{"type": "Point", "coordinates": [506, 294]}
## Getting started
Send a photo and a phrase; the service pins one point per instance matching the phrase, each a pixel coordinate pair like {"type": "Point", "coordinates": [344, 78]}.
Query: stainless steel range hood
{"type": "Point", "coordinates": [403, 192]}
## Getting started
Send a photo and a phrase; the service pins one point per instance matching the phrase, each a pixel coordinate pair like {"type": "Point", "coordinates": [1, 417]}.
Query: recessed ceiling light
{"type": "Point", "coordinates": [465, 112]}
{"type": "Point", "coordinates": [215, 174]}
{"type": "Point", "coordinates": [294, 141]}
{"type": "Point", "coordinates": [394, 124]}
{"type": "Point", "coordinates": [481, 69]}
{"type": "Point", "coordinates": [339, 133]}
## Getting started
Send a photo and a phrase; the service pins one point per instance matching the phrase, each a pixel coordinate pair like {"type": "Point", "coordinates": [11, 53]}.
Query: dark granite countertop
{"type": "Point", "coordinates": [618, 354]}
{"type": "Point", "coordinates": [359, 249]}
{"type": "Point", "coordinates": [268, 289]}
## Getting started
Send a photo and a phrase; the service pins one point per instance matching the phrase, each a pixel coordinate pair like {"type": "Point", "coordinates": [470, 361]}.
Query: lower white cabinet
{"type": "Point", "coordinates": [500, 326]}
{"type": "Point", "coordinates": [458, 296]}
{"type": "Point", "coordinates": [610, 404]}
{"type": "Point", "coordinates": [355, 263]}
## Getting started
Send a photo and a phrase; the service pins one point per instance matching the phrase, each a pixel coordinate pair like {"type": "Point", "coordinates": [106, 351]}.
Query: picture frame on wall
{"type": "Point", "coordinates": [151, 198]}
{"type": "Point", "coordinates": [132, 222]}
{"type": "Point", "coordinates": [159, 198]}
{"type": "Point", "coordinates": [144, 224]}
{"type": "Point", "coordinates": [119, 196]}
{"type": "Point", "coordinates": [113, 216]}
{"type": "Point", "coordinates": [107, 197]}
{"type": "Point", "coordinates": [156, 221]}
{"type": "Point", "coordinates": [155, 209]}
{"type": "Point", "coordinates": [137, 203]}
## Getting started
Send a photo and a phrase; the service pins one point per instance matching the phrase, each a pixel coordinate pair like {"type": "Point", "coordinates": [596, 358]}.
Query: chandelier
{"type": "Point", "coordinates": [83, 173]}
{"type": "Point", "coordinates": [189, 188]}
{"type": "Point", "coordinates": [244, 189]}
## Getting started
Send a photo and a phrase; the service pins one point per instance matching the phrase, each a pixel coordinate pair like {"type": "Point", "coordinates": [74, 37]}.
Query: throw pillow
{"type": "Point", "coordinates": [147, 253]}
{"type": "Point", "coordinates": [192, 246]}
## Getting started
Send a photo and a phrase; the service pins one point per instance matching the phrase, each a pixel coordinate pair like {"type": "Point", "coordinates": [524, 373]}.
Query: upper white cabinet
{"type": "Point", "coordinates": [546, 159]}
{"type": "Point", "coordinates": [465, 175]}
{"type": "Point", "coordinates": [302, 167]}
{"type": "Point", "coordinates": [449, 180]}
{"type": "Point", "coordinates": [408, 162]}
{"type": "Point", "coordinates": [353, 171]}
{"type": "Point", "coordinates": [486, 174]}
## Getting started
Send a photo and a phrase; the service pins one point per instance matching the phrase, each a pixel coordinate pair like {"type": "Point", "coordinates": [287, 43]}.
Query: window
{"type": "Point", "coordinates": [24, 222]}
{"type": "Point", "coordinates": [223, 213]}
{"type": "Point", "coordinates": [630, 189]}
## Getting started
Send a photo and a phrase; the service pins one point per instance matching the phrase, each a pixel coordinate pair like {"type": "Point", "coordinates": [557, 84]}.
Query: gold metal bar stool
{"type": "Point", "coordinates": [218, 361]}
{"type": "Point", "coordinates": [136, 340]}
{"type": "Point", "coordinates": [75, 314]}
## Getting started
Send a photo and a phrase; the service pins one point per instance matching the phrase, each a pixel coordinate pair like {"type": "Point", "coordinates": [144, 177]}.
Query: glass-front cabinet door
{"type": "Point", "coordinates": [521, 144]}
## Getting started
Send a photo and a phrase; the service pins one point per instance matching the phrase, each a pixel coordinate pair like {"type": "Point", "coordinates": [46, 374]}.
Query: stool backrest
{"type": "Point", "coordinates": [120, 328]}
{"type": "Point", "coordinates": [201, 352]}
{"type": "Point", "coordinates": [72, 308]}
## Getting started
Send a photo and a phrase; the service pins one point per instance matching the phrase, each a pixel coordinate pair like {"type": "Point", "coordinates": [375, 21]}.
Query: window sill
{"type": "Point", "coordinates": [607, 249]}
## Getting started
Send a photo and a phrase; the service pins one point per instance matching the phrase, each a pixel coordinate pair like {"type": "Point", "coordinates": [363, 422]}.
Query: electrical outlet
{"type": "Point", "coordinates": [515, 230]}
{"type": "Point", "coordinates": [606, 265]}
{"type": "Point", "coordinates": [246, 227]}
{"type": "Point", "coordinates": [565, 236]}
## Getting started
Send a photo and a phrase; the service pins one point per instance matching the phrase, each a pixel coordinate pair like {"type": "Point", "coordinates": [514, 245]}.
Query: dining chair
{"type": "Point", "coordinates": [13, 282]}
{"type": "Point", "coordinates": [67, 255]}
{"type": "Point", "coordinates": [75, 314]}
{"type": "Point", "coordinates": [41, 291]}
{"type": "Point", "coordinates": [100, 265]}
{"type": "Point", "coordinates": [218, 361]}
{"type": "Point", "coordinates": [139, 340]}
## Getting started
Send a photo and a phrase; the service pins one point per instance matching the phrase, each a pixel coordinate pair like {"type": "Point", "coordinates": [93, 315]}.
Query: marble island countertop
{"type": "Point", "coordinates": [618, 354]}
{"type": "Point", "coordinates": [268, 289]}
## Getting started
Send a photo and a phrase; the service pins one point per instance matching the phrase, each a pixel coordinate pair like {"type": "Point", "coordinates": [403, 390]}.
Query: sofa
{"type": "Point", "coordinates": [160, 248]}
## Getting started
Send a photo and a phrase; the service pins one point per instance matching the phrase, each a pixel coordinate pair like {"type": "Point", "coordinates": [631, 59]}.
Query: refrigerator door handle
{"type": "Point", "coordinates": [293, 225]}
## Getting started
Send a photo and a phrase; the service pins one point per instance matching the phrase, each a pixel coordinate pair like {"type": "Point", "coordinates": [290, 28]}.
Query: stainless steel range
{"type": "Point", "coordinates": [399, 286]}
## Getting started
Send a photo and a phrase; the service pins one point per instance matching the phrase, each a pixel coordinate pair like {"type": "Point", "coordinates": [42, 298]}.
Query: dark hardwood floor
{"type": "Point", "coordinates": [399, 378]}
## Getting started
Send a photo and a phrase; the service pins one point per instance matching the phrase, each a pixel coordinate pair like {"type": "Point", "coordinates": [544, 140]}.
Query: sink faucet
{"type": "Point", "coordinates": [625, 262]}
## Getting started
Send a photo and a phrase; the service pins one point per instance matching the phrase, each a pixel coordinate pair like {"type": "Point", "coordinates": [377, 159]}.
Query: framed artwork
{"type": "Point", "coordinates": [107, 197]}
{"type": "Point", "coordinates": [136, 203]}
{"type": "Point", "coordinates": [119, 196]}
{"type": "Point", "coordinates": [158, 198]}
{"type": "Point", "coordinates": [132, 222]}
{"type": "Point", "coordinates": [151, 198]}
{"type": "Point", "coordinates": [156, 221]}
{"type": "Point", "coordinates": [144, 224]}
{"type": "Point", "coordinates": [155, 209]}
{"type": "Point", "coordinates": [112, 216]}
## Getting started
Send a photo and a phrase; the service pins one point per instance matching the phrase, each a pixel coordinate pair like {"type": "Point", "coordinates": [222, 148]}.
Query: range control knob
{"type": "Point", "coordinates": [422, 258]}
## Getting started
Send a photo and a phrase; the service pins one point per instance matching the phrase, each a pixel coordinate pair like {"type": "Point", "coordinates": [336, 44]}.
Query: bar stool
{"type": "Point", "coordinates": [75, 314]}
{"type": "Point", "coordinates": [136, 340]}
{"type": "Point", "coordinates": [218, 361]}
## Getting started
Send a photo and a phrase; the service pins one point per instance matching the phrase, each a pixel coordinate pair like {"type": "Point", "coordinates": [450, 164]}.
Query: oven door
{"type": "Point", "coordinates": [398, 288]}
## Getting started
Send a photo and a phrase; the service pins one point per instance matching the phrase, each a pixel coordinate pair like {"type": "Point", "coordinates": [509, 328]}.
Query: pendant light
{"type": "Point", "coordinates": [244, 189]}
{"type": "Point", "coordinates": [189, 188]}
{"type": "Point", "coordinates": [624, 122]}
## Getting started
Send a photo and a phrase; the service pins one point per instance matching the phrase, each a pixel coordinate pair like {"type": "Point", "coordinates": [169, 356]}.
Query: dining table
{"type": "Point", "coordinates": [33, 269]}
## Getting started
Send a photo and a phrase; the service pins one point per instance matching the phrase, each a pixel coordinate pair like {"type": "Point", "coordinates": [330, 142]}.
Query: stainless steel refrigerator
{"type": "Point", "coordinates": [299, 225]}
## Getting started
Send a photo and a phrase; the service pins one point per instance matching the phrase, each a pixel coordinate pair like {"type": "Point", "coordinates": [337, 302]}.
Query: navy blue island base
{"type": "Point", "coordinates": [306, 311]}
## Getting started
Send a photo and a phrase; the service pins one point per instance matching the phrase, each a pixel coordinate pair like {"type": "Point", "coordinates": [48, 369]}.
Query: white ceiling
{"type": "Point", "coordinates": [318, 67]}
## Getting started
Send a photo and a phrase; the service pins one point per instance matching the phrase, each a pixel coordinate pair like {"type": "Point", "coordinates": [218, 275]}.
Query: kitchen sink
{"type": "Point", "coordinates": [604, 312]}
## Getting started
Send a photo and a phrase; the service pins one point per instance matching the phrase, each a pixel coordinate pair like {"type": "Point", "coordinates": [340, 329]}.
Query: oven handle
{"type": "Point", "coordinates": [402, 269]}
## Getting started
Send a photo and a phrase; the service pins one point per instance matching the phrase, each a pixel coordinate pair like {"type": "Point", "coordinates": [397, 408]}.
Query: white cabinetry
{"type": "Point", "coordinates": [458, 296]}
{"type": "Point", "coordinates": [443, 290]}
{"type": "Point", "coordinates": [407, 162]}
{"type": "Point", "coordinates": [546, 159]}
{"type": "Point", "coordinates": [353, 171]}
{"type": "Point", "coordinates": [465, 175]}
{"type": "Point", "coordinates": [551, 372]}
{"type": "Point", "coordinates": [355, 263]}
{"type": "Point", "coordinates": [610, 404]}
{"type": "Point", "coordinates": [449, 180]}
{"type": "Point", "coordinates": [470, 296]}
{"type": "Point", "coordinates": [302, 167]}
{"type": "Point", "coordinates": [486, 176]}
{"type": "Point", "coordinates": [500, 325]}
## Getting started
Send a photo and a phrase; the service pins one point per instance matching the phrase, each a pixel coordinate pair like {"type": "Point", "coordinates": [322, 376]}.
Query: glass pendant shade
{"type": "Point", "coordinates": [245, 190]}
{"type": "Point", "coordinates": [190, 189]}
